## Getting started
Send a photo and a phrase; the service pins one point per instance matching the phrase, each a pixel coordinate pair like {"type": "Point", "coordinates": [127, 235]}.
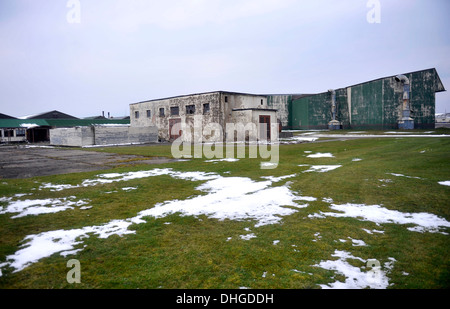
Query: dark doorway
{"type": "Point", "coordinates": [264, 128]}
{"type": "Point", "coordinates": [38, 135]}
{"type": "Point", "coordinates": [174, 128]}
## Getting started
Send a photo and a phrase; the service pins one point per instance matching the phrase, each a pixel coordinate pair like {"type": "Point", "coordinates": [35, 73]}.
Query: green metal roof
{"type": "Point", "coordinates": [58, 123]}
{"type": "Point", "coordinates": [22, 123]}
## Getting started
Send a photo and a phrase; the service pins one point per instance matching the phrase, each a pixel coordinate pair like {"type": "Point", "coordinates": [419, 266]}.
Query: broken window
{"type": "Point", "coordinates": [149, 113]}
{"type": "Point", "coordinates": [190, 109]}
{"type": "Point", "coordinates": [174, 111]}
{"type": "Point", "coordinates": [161, 112]}
{"type": "Point", "coordinates": [136, 114]}
{"type": "Point", "coordinates": [205, 108]}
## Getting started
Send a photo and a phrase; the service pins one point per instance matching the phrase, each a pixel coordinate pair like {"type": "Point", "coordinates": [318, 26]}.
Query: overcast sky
{"type": "Point", "coordinates": [117, 52]}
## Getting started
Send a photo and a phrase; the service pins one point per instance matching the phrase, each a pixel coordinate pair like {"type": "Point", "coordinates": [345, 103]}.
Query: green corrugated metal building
{"type": "Point", "coordinates": [375, 104]}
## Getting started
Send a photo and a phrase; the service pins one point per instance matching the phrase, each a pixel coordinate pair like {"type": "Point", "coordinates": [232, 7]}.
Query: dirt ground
{"type": "Point", "coordinates": [22, 161]}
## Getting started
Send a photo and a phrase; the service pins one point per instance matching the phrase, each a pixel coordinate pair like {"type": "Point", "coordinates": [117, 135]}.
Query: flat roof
{"type": "Point", "coordinates": [202, 93]}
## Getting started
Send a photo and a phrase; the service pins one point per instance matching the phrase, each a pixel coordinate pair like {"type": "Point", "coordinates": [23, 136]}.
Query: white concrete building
{"type": "Point", "coordinates": [207, 111]}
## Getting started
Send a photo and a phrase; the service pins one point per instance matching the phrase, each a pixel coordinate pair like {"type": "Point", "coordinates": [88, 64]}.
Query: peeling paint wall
{"type": "Point", "coordinates": [372, 105]}
{"type": "Point", "coordinates": [281, 103]}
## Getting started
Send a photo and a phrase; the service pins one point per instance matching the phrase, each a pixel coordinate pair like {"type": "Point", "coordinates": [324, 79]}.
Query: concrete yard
{"type": "Point", "coordinates": [31, 161]}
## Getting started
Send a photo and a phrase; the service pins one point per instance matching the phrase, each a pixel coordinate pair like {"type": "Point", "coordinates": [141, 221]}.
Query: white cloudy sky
{"type": "Point", "coordinates": [126, 51]}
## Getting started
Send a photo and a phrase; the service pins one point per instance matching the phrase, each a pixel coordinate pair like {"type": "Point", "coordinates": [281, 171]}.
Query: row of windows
{"type": "Point", "coordinates": [10, 132]}
{"type": "Point", "coordinates": [175, 111]}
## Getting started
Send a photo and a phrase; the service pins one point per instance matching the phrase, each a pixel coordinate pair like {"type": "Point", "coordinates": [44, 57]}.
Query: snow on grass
{"type": "Point", "coordinates": [297, 139]}
{"type": "Point", "coordinates": [223, 160]}
{"type": "Point", "coordinates": [277, 179]}
{"type": "Point", "coordinates": [401, 175]}
{"type": "Point", "coordinates": [320, 168]}
{"type": "Point", "coordinates": [234, 198]}
{"type": "Point", "coordinates": [248, 236]}
{"type": "Point", "coordinates": [355, 278]}
{"type": "Point", "coordinates": [445, 183]}
{"type": "Point", "coordinates": [38, 207]}
{"type": "Point", "coordinates": [320, 155]}
{"type": "Point", "coordinates": [118, 177]}
{"type": "Point", "coordinates": [424, 222]}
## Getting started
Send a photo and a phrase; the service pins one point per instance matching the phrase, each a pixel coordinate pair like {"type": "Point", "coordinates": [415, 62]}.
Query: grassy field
{"type": "Point", "coordinates": [307, 248]}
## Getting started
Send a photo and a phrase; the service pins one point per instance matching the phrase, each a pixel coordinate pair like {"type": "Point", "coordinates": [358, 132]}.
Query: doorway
{"type": "Point", "coordinates": [175, 128]}
{"type": "Point", "coordinates": [264, 128]}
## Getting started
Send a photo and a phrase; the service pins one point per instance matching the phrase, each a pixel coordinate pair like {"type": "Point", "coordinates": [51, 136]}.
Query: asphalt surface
{"type": "Point", "coordinates": [25, 161]}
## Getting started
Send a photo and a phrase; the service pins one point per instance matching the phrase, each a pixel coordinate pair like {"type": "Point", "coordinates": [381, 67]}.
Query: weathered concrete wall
{"type": "Point", "coordinates": [102, 135]}
{"type": "Point", "coordinates": [281, 103]}
{"type": "Point", "coordinates": [221, 106]}
{"type": "Point", "coordinates": [162, 122]}
{"type": "Point", "coordinates": [249, 119]}
{"type": "Point", "coordinates": [111, 135]}
{"type": "Point", "coordinates": [74, 137]}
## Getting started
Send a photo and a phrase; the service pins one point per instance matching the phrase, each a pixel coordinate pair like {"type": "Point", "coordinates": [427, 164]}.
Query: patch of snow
{"type": "Point", "coordinates": [277, 179]}
{"type": "Point", "coordinates": [355, 278]}
{"type": "Point", "coordinates": [425, 222]}
{"type": "Point", "coordinates": [373, 231]}
{"type": "Point", "coordinates": [38, 207]}
{"type": "Point", "coordinates": [356, 160]}
{"type": "Point", "coordinates": [401, 175]}
{"type": "Point", "coordinates": [223, 160]}
{"type": "Point", "coordinates": [397, 132]}
{"type": "Point", "coordinates": [297, 139]}
{"type": "Point", "coordinates": [248, 236]}
{"type": "Point", "coordinates": [129, 188]}
{"type": "Point", "coordinates": [117, 177]}
{"type": "Point", "coordinates": [321, 168]}
{"type": "Point", "coordinates": [357, 242]}
{"type": "Point", "coordinates": [268, 165]}
{"type": "Point", "coordinates": [321, 155]}
{"type": "Point", "coordinates": [29, 125]}
{"type": "Point", "coordinates": [445, 183]}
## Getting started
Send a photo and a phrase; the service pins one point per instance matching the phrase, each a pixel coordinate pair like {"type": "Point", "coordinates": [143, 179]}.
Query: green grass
{"type": "Point", "coordinates": [199, 252]}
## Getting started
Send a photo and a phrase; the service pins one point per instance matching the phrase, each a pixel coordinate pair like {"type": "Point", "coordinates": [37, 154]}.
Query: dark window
{"type": "Point", "coordinates": [262, 101]}
{"type": "Point", "coordinates": [174, 111]}
{"type": "Point", "coordinates": [190, 109]}
{"type": "Point", "coordinates": [9, 133]}
{"type": "Point", "coordinates": [20, 132]}
{"type": "Point", "coordinates": [136, 114]}
{"type": "Point", "coordinates": [226, 99]}
{"type": "Point", "coordinates": [206, 108]}
{"type": "Point", "coordinates": [161, 112]}
{"type": "Point", "coordinates": [149, 113]}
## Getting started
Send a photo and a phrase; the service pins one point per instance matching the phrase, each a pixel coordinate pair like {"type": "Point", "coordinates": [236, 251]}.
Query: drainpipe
{"type": "Point", "coordinates": [406, 122]}
{"type": "Point", "coordinates": [334, 124]}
